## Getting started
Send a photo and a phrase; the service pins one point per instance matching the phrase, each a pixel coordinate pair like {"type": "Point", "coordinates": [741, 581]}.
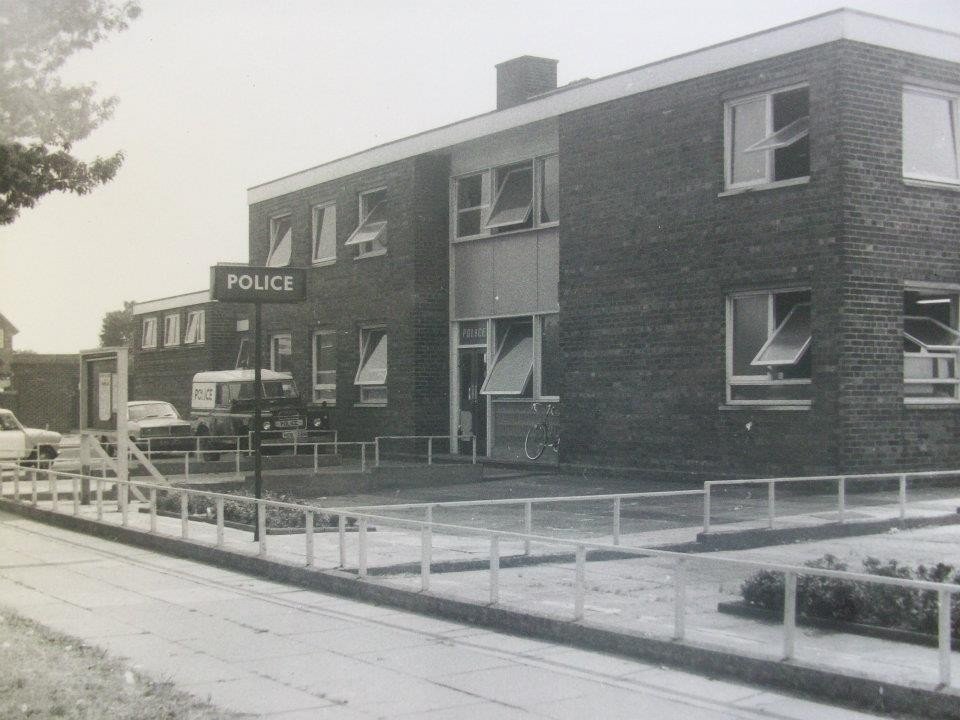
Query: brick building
{"type": "Point", "coordinates": [740, 260]}
{"type": "Point", "coordinates": [47, 390]}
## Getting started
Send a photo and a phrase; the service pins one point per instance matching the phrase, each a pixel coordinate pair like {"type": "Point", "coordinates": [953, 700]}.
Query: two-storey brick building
{"type": "Point", "coordinates": [743, 259]}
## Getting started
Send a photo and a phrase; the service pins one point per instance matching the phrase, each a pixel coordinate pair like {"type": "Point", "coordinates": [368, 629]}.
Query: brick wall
{"type": "Point", "coordinates": [47, 388]}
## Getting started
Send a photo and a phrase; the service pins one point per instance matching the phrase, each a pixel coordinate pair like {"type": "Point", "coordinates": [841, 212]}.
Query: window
{"type": "Point", "coordinates": [325, 367]}
{"type": "Point", "coordinates": [551, 372]}
{"type": "Point", "coordinates": [149, 336]}
{"type": "Point", "coordinates": [766, 138]}
{"type": "Point", "coordinates": [243, 354]}
{"type": "Point", "coordinates": [281, 352]}
{"type": "Point", "coordinates": [513, 205]}
{"type": "Point", "coordinates": [281, 242]}
{"type": "Point", "coordinates": [196, 320]}
{"type": "Point", "coordinates": [473, 199]}
{"type": "Point", "coordinates": [512, 368]}
{"type": "Point", "coordinates": [171, 330]}
{"type": "Point", "coordinates": [930, 346]}
{"type": "Point", "coordinates": [369, 237]}
{"type": "Point", "coordinates": [372, 370]}
{"type": "Point", "coordinates": [324, 233]}
{"type": "Point", "coordinates": [931, 136]}
{"type": "Point", "coordinates": [549, 172]}
{"type": "Point", "coordinates": [768, 347]}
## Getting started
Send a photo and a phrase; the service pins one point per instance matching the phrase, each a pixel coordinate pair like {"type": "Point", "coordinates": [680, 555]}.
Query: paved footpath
{"type": "Point", "coordinates": [276, 651]}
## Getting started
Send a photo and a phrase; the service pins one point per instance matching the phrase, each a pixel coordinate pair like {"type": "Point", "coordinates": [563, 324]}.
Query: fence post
{"type": "Point", "coordinates": [262, 526]}
{"type": "Point", "coordinates": [362, 548]}
{"type": "Point", "coordinates": [430, 450]}
{"type": "Point", "coordinates": [124, 495]}
{"type": "Point", "coordinates": [771, 503]}
{"type": "Point", "coordinates": [841, 498]}
{"type": "Point", "coordinates": [680, 601]}
{"type": "Point", "coordinates": [376, 452]}
{"type": "Point", "coordinates": [494, 569]}
{"type": "Point", "coordinates": [903, 497]}
{"type": "Point", "coordinates": [616, 520]}
{"type": "Point", "coordinates": [236, 461]}
{"type": "Point", "coordinates": [186, 465]}
{"type": "Point", "coordinates": [473, 451]}
{"type": "Point", "coordinates": [527, 525]}
{"type": "Point", "coordinates": [706, 507]}
{"type": "Point", "coordinates": [153, 509]}
{"type": "Point", "coordinates": [33, 487]}
{"type": "Point", "coordinates": [53, 487]}
{"type": "Point", "coordinates": [789, 613]}
{"type": "Point", "coordinates": [363, 457]}
{"type": "Point", "coordinates": [99, 499]}
{"type": "Point", "coordinates": [316, 460]}
{"type": "Point", "coordinates": [184, 515]}
{"type": "Point", "coordinates": [308, 536]}
{"type": "Point", "coordinates": [76, 495]}
{"type": "Point", "coordinates": [219, 504]}
{"type": "Point", "coordinates": [342, 532]}
{"type": "Point", "coordinates": [579, 582]}
{"type": "Point", "coordinates": [943, 635]}
{"type": "Point", "coordinates": [426, 551]}
{"type": "Point", "coordinates": [16, 483]}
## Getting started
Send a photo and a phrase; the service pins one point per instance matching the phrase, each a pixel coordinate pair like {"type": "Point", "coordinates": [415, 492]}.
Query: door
{"type": "Point", "coordinates": [473, 405]}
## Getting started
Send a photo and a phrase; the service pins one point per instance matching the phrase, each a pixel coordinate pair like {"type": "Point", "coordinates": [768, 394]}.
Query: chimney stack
{"type": "Point", "coordinates": [521, 78]}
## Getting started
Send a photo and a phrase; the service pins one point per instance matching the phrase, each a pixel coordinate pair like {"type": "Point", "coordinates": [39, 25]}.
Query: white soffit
{"type": "Point", "coordinates": [799, 35]}
{"type": "Point", "coordinates": [171, 303]}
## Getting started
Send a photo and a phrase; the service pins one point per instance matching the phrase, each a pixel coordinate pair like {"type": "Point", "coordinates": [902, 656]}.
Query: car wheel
{"type": "Point", "coordinates": [47, 456]}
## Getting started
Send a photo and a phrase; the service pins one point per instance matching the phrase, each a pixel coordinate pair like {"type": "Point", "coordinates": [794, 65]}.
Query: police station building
{"type": "Point", "coordinates": [741, 260]}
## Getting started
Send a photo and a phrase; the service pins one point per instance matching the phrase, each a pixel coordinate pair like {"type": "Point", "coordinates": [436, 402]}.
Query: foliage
{"type": "Point", "coordinates": [244, 512]}
{"type": "Point", "coordinates": [857, 602]}
{"type": "Point", "coordinates": [40, 117]}
{"type": "Point", "coordinates": [118, 327]}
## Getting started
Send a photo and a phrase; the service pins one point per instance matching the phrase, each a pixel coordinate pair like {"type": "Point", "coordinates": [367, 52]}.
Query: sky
{"type": "Point", "coordinates": [216, 96]}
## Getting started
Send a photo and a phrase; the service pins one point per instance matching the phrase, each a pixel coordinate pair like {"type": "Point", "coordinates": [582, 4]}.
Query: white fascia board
{"type": "Point", "coordinates": [800, 35]}
{"type": "Point", "coordinates": [171, 303]}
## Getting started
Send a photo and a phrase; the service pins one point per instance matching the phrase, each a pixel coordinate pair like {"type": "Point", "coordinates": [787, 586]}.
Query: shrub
{"type": "Point", "coordinates": [239, 511]}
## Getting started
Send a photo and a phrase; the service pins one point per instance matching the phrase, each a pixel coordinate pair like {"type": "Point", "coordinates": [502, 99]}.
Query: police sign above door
{"type": "Point", "coordinates": [243, 283]}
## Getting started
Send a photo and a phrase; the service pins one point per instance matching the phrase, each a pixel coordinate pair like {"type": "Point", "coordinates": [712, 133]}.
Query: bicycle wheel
{"type": "Point", "coordinates": [535, 441]}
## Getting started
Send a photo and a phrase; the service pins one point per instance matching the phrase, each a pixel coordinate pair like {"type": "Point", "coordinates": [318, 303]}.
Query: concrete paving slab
{"type": "Point", "coordinates": [228, 641]}
{"type": "Point", "coordinates": [257, 695]}
{"type": "Point", "coordinates": [617, 704]}
{"type": "Point", "coordinates": [360, 640]}
{"type": "Point", "coordinates": [431, 661]}
{"type": "Point", "coordinates": [525, 686]}
{"type": "Point", "coordinates": [478, 711]}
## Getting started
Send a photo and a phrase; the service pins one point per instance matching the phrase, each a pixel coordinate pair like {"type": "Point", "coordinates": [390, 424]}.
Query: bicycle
{"type": "Point", "coordinates": [541, 436]}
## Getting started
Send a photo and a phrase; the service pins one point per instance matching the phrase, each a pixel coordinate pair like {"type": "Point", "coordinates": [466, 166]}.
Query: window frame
{"type": "Point", "coordinates": [274, 356]}
{"type": "Point", "coordinates": [953, 100]}
{"type": "Point", "coordinates": [167, 333]}
{"type": "Point", "coordinates": [201, 327]}
{"type": "Point", "coordinates": [931, 351]}
{"type": "Point", "coordinates": [364, 336]}
{"type": "Point", "coordinates": [316, 236]}
{"type": "Point", "coordinates": [483, 208]}
{"type": "Point", "coordinates": [376, 246]}
{"type": "Point", "coordinates": [732, 380]}
{"type": "Point", "coordinates": [313, 378]}
{"type": "Point", "coordinates": [152, 322]}
{"type": "Point", "coordinates": [275, 241]}
{"type": "Point", "coordinates": [494, 350]}
{"type": "Point", "coordinates": [767, 181]}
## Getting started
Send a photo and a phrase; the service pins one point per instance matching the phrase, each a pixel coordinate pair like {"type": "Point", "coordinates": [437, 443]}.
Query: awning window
{"type": "Point", "coordinates": [281, 242]}
{"type": "Point", "coordinates": [930, 335]}
{"type": "Point", "coordinates": [373, 362]}
{"type": "Point", "coordinates": [784, 137]}
{"type": "Point", "coordinates": [371, 227]}
{"type": "Point", "coordinates": [513, 366]}
{"type": "Point", "coordinates": [789, 341]}
{"type": "Point", "coordinates": [514, 201]}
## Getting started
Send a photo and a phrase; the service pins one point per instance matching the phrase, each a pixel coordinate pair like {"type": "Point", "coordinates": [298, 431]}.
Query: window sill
{"type": "Point", "coordinates": [776, 407]}
{"type": "Point", "coordinates": [504, 233]}
{"type": "Point", "coordinates": [370, 405]}
{"type": "Point", "coordinates": [931, 405]}
{"type": "Point", "coordinates": [933, 184]}
{"type": "Point", "coordinates": [323, 263]}
{"type": "Point", "coordinates": [378, 253]}
{"type": "Point", "coordinates": [759, 187]}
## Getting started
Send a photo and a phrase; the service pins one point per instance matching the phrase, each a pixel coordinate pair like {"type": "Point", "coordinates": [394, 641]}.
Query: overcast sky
{"type": "Point", "coordinates": [217, 96]}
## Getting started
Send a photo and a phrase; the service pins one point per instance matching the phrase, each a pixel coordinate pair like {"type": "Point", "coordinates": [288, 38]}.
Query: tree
{"type": "Point", "coordinates": [118, 327]}
{"type": "Point", "coordinates": [40, 117]}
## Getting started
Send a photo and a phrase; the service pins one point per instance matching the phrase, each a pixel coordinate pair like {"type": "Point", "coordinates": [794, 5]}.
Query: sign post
{"type": "Point", "coordinates": [257, 285]}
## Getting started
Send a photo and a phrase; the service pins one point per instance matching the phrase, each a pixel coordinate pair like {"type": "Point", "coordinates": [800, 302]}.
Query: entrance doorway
{"type": "Point", "coordinates": [473, 405]}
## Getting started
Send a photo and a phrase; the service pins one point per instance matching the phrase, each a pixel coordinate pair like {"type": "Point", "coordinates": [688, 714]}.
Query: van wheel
{"type": "Point", "coordinates": [47, 456]}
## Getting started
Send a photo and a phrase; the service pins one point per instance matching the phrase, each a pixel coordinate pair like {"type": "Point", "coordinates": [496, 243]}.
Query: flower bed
{"type": "Point", "coordinates": [242, 513]}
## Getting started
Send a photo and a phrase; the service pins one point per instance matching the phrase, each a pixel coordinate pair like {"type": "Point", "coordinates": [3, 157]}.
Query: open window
{"type": "Point", "coordinates": [931, 136]}
{"type": "Point", "coordinates": [194, 334]}
{"type": "Point", "coordinates": [931, 344]}
{"type": "Point", "coordinates": [243, 355]}
{"type": "Point", "coordinates": [769, 337]}
{"type": "Point", "coordinates": [325, 367]}
{"type": "Point", "coordinates": [281, 242]}
{"type": "Point", "coordinates": [512, 367]}
{"type": "Point", "coordinates": [767, 138]}
{"type": "Point", "coordinates": [372, 369]}
{"type": "Point", "coordinates": [148, 338]}
{"type": "Point", "coordinates": [324, 226]}
{"type": "Point", "coordinates": [513, 204]}
{"type": "Point", "coordinates": [370, 236]}
{"type": "Point", "coordinates": [281, 352]}
{"type": "Point", "coordinates": [171, 330]}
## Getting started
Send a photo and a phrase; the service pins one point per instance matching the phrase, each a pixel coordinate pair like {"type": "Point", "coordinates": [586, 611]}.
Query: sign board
{"type": "Point", "coordinates": [204, 396]}
{"type": "Point", "coordinates": [244, 283]}
{"type": "Point", "coordinates": [104, 396]}
{"type": "Point", "coordinates": [473, 333]}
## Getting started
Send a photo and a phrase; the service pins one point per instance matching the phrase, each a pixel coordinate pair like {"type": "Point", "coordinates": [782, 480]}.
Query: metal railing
{"type": "Point", "coordinates": [841, 486]}
{"type": "Point", "coordinates": [425, 528]}
{"type": "Point", "coordinates": [429, 438]}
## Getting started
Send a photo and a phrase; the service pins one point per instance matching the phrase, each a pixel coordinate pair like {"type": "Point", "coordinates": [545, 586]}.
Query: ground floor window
{"type": "Point", "coordinates": [768, 347]}
{"type": "Point", "coordinates": [281, 352]}
{"type": "Point", "coordinates": [931, 343]}
{"type": "Point", "coordinates": [325, 367]}
{"type": "Point", "coordinates": [526, 358]}
{"type": "Point", "coordinates": [243, 354]}
{"type": "Point", "coordinates": [372, 368]}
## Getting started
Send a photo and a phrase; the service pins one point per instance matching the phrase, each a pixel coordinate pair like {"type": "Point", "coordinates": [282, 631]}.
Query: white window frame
{"type": "Point", "coordinates": [171, 330]}
{"type": "Point", "coordinates": [148, 333]}
{"type": "Point", "coordinates": [953, 100]}
{"type": "Point", "coordinates": [276, 242]}
{"type": "Point", "coordinates": [933, 352]}
{"type": "Point", "coordinates": [321, 387]}
{"type": "Point", "coordinates": [328, 210]}
{"type": "Point", "coordinates": [243, 350]}
{"type": "Point", "coordinates": [196, 321]}
{"type": "Point", "coordinates": [538, 179]}
{"type": "Point", "coordinates": [772, 328]}
{"type": "Point", "coordinates": [375, 245]}
{"type": "Point", "coordinates": [368, 388]}
{"type": "Point", "coordinates": [767, 144]}
{"type": "Point", "coordinates": [483, 208]}
{"type": "Point", "coordinates": [274, 355]}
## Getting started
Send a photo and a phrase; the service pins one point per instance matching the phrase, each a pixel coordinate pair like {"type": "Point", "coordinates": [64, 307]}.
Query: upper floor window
{"type": "Point", "coordinates": [325, 367]}
{"type": "Point", "coordinates": [931, 136]}
{"type": "Point", "coordinates": [281, 352]}
{"type": "Point", "coordinates": [372, 368]}
{"type": "Point", "coordinates": [148, 338]}
{"type": "Point", "coordinates": [473, 201]}
{"type": "Point", "coordinates": [931, 343]}
{"type": "Point", "coordinates": [171, 330]}
{"type": "Point", "coordinates": [768, 347]}
{"type": "Point", "coordinates": [324, 228]}
{"type": "Point", "coordinates": [195, 331]}
{"type": "Point", "coordinates": [281, 242]}
{"type": "Point", "coordinates": [370, 236]}
{"type": "Point", "coordinates": [766, 138]}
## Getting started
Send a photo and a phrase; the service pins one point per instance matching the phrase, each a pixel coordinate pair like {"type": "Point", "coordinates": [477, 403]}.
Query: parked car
{"type": "Point", "coordinates": [157, 424]}
{"type": "Point", "coordinates": [26, 444]}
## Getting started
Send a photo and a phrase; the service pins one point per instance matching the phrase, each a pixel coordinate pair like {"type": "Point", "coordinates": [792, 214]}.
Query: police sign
{"type": "Point", "coordinates": [242, 283]}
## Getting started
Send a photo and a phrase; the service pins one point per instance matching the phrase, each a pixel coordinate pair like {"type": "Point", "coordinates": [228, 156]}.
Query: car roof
{"type": "Point", "coordinates": [147, 402]}
{"type": "Point", "coordinates": [239, 375]}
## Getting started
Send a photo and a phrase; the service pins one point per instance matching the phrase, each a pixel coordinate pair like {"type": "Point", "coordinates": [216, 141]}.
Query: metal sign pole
{"type": "Point", "coordinates": [257, 422]}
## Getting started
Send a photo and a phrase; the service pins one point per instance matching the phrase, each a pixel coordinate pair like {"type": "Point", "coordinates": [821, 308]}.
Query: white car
{"type": "Point", "coordinates": [26, 444]}
{"type": "Point", "coordinates": [157, 424]}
